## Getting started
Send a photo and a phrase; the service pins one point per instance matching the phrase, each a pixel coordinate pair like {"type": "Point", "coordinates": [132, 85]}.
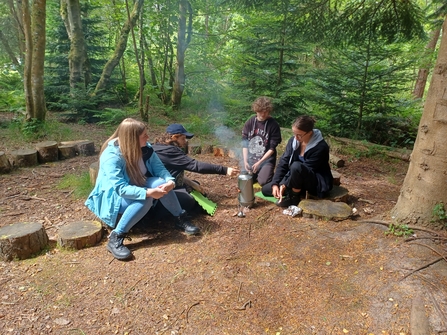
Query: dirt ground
{"type": "Point", "coordinates": [267, 273]}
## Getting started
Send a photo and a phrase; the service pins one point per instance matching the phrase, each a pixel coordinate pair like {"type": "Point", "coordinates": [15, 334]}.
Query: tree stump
{"type": "Point", "coordinates": [80, 234]}
{"type": "Point", "coordinates": [47, 151]}
{"type": "Point", "coordinates": [220, 151]}
{"type": "Point", "coordinates": [93, 170]}
{"type": "Point", "coordinates": [5, 165]}
{"type": "Point", "coordinates": [82, 147]}
{"type": "Point", "coordinates": [325, 209]}
{"type": "Point", "coordinates": [66, 151]}
{"type": "Point", "coordinates": [24, 158]}
{"type": "Point", "coordinates": [22, 240]}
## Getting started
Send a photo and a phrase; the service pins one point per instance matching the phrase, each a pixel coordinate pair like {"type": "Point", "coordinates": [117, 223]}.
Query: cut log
{"type": "Point", "coordinates": [93, 170]}
{"type": "Point", "coordinates": [47, 151]}
{"type": "Point", "coordinates": [325, 209]}
{"type": "Point", "coordinates": [66, 151]}
{"type": "Point", "coordinates": [24, 157]}
{"type": "Point", "coordinates": [80, 234]}
{"type": "Point", "coordinates": [220, 151]}
{"type": "Point", "coordinates": [5, 165]}
{"type": "Point", "coordinates": [22, 240]}
{"type": "Point", "coordinates": [82, 147]}
{"type": "Point", "coordinates": [338, 162]}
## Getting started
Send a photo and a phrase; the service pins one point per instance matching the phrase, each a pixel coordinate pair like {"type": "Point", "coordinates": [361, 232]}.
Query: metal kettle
{"type": "Point", "coordinates": [246, 192]}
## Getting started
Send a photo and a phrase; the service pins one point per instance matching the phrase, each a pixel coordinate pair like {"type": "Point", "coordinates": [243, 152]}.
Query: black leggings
{"type": "Point", "coordinates": [300, 177]}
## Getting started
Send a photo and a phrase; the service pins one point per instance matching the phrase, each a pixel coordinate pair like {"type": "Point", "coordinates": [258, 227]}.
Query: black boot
{"type": "Point", "coordinates": [116, 246]}
{"type": "Point", "coordinates": [289, 198]}
{"type": "Point", "coordinates": [182, 223]}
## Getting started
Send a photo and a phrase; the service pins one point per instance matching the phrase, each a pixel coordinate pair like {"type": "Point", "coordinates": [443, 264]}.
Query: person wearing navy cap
{"type": "Point", "coordinates": [170, 148]}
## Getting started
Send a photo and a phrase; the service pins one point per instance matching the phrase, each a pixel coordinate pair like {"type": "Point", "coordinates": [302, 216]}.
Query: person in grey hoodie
{"type": "Point", "coordinates": [304, 166]}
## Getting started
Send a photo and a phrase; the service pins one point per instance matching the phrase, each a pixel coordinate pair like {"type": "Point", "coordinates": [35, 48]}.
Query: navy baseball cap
{"type": "Point", "coordinates": [177, 128]}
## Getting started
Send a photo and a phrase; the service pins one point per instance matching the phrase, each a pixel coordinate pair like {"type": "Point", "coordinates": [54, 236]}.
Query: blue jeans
{"type": "Point", "coordinates": [133, 210]}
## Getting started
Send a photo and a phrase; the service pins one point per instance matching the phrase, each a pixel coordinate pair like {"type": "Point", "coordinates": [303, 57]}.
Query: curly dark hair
{"type": "Point", "coordinates": [262, 104]}
{"type": "Point", "coordinates": [166, 138]}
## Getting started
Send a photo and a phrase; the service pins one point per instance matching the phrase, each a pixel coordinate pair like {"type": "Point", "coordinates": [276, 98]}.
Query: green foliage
{"type": "Point", "coordinates": [399, 230]}
{"type": "Point", "coordinates": [439, 212]}
{"type": "Point", "coordinates": [34, 130]}
{"type": "Point", "coordinates": [11, 90]}
{"type": "Point", "coordinates": [110, 116]}
{"type": "Point", "coordinates": [79, 185]}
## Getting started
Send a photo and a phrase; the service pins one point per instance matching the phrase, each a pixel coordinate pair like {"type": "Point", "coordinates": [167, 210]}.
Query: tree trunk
{"type": "Point", "coordinates": [425, 182]}
{"type": "Point", "coordinates": [120, 48]}
{"type": "Point", "coordinates": [421, 81]}
{"type": "Point", "coordinates": [183, 40]}
{"type": "Point", "coordinates": [34, 29]}
{"type": "Point", "coordinates": [8, 50]}
{"type": "Point", "coordinates": [16, 12]}
{"type": "Point", "coordinates": [71, 15]}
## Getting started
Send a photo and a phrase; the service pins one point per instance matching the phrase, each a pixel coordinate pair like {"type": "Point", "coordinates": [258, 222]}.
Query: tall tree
{"type": "Point", "coordinates": [183, 39]}
{"type": "Point", "coordinates": [425, 182]}
{"type": "Point", "coordinates": [34, 30]}
{"type": "Point", "coordinates": [120, 47]}
{"type": "Point", "coordinates": [77, 58]}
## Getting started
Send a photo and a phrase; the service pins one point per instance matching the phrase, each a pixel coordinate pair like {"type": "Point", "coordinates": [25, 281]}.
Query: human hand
{"type": "Point", "coordinates": [155, 193]}
{"type": "Point", "coordinates": [247, 167]}
{"type": "Point", "coordinates": [282, 188]}
{"type": "Point", "coordinates": [168, 186]}
{"type": "Point", "coordinates": [255, 167]}
{"type": "Point", "coordinates": [275, 191]}
{"type": "Point", "coordinates": [232, 171]}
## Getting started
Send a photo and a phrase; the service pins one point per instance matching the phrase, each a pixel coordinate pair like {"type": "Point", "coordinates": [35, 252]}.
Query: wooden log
{"type": "Point", "coordinates": [220, 151]}
{"type": "Point", "coordinates": [82, 147]}
{"type": "Point", "coordinates": [24, 157]}
{"type": "Point", "coordinates": [93, 171]}
{"type": "Point", "coordinates": [338, 162]}
{"type": "Point", "coordinates": [66, 151]}
{"type": "Point", "coordinates": [80, 234]}
{"type": "Point", "coordinates": [22, 240]}
{"type": "Point", "coordinates": [5, 165]}
{"type": "Point", "coordinates": [47, 151]}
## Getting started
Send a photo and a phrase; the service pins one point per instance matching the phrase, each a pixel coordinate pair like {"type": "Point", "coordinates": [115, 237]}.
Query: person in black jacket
{"type": "Point", "coordinates": [261, 135]}
{"type": "Point", "coordinates": [304, 166]}
{"type": "Point", "coordinates": [170, 149]}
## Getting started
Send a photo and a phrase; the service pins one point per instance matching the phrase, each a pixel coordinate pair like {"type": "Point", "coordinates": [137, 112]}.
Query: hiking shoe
{"type": "Point", "coordinates": [289, 199]}
{"type": "Point", "coordinates": [116, 246]}
{"type": "Point", "coordinates": [182, 223]}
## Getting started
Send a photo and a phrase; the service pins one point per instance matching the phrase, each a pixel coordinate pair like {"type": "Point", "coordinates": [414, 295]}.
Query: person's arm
{"type": "Point", "coordinates": [283, 165]}
{"type": "Point", "coordinates": [256, 166]}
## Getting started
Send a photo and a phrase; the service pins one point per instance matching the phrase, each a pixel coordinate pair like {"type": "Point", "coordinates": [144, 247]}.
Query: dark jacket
{"type": "Point", "coordinates": [316, 157]}
{"type": "Point", "coordinates": [176, 161]}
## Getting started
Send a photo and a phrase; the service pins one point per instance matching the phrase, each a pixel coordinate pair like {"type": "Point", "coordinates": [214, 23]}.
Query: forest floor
{"type": "Point", "coordinates": [267, 273]}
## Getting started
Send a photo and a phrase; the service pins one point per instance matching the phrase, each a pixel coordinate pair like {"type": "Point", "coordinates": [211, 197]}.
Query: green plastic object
{"type": "Point", "coordinates": [209, 206]}
{"type": "Point", "coordinates": [262, 196]}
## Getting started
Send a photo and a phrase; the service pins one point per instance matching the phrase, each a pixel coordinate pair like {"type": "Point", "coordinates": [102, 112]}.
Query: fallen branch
{"type": "Point", "coordinates": [244, 306]}
{"type": "Point", "coordinates": [189, 308]}
{"type": "Point", "coordinates": [385, 223]}
{"type": "Point", "coordinates": [423, 267]}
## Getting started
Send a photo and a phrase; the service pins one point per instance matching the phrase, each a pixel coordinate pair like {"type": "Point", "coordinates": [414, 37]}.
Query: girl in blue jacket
{"type": "Point", "coordinates": [130, 178]}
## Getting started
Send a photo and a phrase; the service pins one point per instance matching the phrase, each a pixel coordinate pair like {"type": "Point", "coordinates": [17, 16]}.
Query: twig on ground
{"type": "Point", "coordinates": [132, 287]}
{"type": "Point", "coordinates": [244, 306]}
{"type": "Point", "coordinates": [423, 267]}
{"type": "Point", "coordinates": [69, 193]}
{"type": "Point", "coordinates": [413, 238]}
{"type": "Point", "coordinates": [187, 311]}
{"type": "Point", "coordinates": [239, 292]}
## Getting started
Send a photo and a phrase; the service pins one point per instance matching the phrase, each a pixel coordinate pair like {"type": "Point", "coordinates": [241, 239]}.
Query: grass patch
{"type": "Point", "coordinates": [79, 185]}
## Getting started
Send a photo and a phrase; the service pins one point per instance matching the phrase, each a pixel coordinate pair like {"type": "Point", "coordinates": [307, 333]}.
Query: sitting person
{"type": "Point", "coordinates": [170, 148]}
{"type": "Point", "coordinates": [261, 135]}
{"type": "Point", "coordinates": [130, 179]}
{"type": "Point", "coordinates": [304, 166]}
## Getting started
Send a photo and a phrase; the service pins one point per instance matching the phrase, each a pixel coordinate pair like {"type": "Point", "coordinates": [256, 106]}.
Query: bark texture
{"type": "Point", "coordinates": [425, 182]}
{"type": "Point", "coordinates": [34, 30]}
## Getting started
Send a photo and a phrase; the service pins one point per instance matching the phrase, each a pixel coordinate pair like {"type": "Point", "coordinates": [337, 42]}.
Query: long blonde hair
{"type": "Point", "coordinates": [127, 136]}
